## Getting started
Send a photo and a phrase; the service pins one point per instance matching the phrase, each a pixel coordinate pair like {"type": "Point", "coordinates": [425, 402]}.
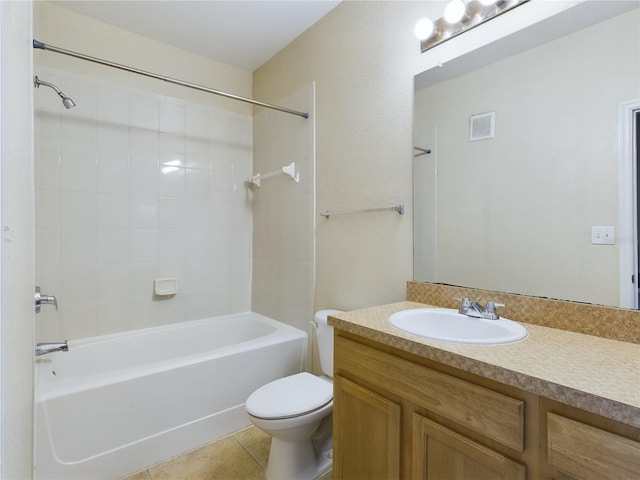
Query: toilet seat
{"type": "Point", "coordinates": [289, 397]}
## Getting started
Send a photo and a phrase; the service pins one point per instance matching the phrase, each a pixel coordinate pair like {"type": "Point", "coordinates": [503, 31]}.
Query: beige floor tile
{"type": "Point", "coordinates": [327, 476]}
{"type": "Point", "coordinates": [256, 442]}
{"type": "Point", "coordinates": [222, 460]}
{"type": "Point", "coordinates": [144, 475]}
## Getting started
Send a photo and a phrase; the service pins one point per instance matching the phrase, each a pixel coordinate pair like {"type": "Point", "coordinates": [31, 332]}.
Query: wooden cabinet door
{"type": "Point", "coordinates": [366, 439]}
{"type": "Point", "coordinates": [441, 454]}
{"type": "Point", "coordinates": [588, 453]}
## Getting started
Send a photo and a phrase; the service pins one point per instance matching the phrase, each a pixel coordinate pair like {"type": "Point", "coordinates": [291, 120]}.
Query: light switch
{"type": "Point", "coordinates": [603, 235]}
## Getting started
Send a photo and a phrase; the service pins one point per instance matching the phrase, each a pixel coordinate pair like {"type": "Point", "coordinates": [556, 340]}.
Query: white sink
{"type": "Point", "coordinates": [448, 325]}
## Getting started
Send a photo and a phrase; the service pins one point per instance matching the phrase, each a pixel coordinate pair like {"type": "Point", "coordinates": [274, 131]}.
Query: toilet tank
{"type": "Point", "coordinates": [324, 336]}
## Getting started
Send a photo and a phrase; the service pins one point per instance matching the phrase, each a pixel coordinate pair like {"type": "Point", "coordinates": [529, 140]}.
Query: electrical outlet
{"type": "Point", "coordinates": [603, 236]}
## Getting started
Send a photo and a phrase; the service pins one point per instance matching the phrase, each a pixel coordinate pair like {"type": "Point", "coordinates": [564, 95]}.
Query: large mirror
{"type": "Point", "coordinates": [524, 160]}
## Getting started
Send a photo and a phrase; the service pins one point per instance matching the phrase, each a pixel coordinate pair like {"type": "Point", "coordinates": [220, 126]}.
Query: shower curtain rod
{"type": "Point", "coordinates": [44, 46]}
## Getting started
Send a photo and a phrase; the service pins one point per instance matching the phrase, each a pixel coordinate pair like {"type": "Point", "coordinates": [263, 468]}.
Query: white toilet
{"type": "Point", "coordinates": [296, 412]}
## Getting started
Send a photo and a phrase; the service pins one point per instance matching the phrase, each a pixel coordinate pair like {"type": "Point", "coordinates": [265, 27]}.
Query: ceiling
{"type": "Point", "coordinates": [242, 33]}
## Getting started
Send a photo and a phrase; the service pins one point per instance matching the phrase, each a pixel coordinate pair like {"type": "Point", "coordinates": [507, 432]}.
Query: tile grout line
{"type": "Point", "coordinates": [263, 467]}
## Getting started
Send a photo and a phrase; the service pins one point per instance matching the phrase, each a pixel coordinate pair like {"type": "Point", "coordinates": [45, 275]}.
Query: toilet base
{"type": "Point", "coordinates": [296, 460]}
{"type": "Point", "coordinates": [305, 459]}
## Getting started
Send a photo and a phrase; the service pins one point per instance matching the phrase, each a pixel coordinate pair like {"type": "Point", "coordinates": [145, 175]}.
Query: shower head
{"type": "Point", "coordinates": [66, 101]}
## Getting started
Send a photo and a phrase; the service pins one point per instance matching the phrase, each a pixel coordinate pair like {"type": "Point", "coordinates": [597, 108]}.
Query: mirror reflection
{"type": "Point", "coordinates": [524, 162]}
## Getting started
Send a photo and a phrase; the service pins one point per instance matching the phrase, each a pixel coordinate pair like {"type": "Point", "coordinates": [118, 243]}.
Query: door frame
{"type": "Point", "coordinates": [627, 204]}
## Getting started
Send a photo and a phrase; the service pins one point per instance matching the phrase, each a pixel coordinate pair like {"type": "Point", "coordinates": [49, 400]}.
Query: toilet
{"type": "Point", "coordinates": [296, 412]}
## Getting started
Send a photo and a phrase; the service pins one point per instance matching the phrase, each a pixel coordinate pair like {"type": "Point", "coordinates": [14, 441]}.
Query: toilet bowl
{"type": "Point", "coordinates": [296, 412]}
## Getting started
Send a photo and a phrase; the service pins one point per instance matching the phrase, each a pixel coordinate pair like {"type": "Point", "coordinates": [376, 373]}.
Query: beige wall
{"type": "Point", "coordinates": [362, 57]}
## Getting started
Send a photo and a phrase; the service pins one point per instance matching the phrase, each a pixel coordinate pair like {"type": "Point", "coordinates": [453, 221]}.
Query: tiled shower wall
{"type": "Point", "coordinates": [284, 218]}
{"type": "Point", "coordinates": [130, 187]}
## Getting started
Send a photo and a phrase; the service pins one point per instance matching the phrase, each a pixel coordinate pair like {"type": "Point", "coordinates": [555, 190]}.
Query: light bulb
{"type": "Point", "coordinates": [424, 29]}
{"type": "Point", "coordinates": [455, 11]}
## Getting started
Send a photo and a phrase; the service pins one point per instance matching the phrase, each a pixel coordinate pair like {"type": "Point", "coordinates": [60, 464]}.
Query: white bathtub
{"type": "Point", "coordinates": [115, 404]}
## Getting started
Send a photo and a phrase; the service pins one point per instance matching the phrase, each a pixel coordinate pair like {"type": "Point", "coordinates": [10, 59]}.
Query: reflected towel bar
{"type": "Point", "coordinates": [395, 208]}
{"type": "Point", "coordinates": [423, 151]}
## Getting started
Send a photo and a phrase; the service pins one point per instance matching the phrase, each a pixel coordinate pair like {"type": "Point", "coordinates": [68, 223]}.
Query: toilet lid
{"type": "Point", "coordinates": [290, 397]}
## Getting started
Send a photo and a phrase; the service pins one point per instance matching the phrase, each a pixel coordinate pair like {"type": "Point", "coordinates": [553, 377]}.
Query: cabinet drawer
{"type": "Point", "coordinates": [587, 452]}
{"type": "Point", "coordinates": [489, 413]}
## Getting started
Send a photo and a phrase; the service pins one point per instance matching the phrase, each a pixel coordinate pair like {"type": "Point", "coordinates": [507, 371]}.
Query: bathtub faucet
{"type": "Point", "coordinates": [44, 348]}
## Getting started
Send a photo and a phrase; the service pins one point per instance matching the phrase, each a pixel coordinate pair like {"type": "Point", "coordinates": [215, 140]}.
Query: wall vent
{"type": "Point", "coordinates": [482, 126]}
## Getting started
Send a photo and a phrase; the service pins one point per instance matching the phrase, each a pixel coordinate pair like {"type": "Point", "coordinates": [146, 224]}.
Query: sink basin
{"type": "Point", "coordinates": [447, 325]}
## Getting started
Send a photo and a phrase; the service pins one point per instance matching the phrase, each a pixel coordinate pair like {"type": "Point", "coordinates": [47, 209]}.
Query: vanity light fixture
{"type": "Point", "coordinates": [460, 16]}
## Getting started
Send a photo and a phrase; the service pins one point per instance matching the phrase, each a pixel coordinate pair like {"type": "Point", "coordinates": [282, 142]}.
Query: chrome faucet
{"type": "Point", "coordinates": [475, 309]}
{"type": "Point", "coordinates": [44, 348]}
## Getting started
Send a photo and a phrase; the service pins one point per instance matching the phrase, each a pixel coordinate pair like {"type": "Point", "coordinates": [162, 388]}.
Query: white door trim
{"type": "Point", "coordinates": [627, 228]}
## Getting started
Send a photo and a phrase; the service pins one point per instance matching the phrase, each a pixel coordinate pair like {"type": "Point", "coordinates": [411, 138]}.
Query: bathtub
{"type": "Point", "coordinates": [116, 404]}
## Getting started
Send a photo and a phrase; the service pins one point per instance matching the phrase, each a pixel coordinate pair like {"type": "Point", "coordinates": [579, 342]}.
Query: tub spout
{"type": "Point", "coordinates": [44, 348]}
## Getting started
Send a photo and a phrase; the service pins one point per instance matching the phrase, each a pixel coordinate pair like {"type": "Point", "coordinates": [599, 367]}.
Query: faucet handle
{"type": "Point", "coordinates": [43, 299]}
{"type": "Point", "coordinates": [465, 303]}
{"type": "Point", "coordinates": [490, 312]}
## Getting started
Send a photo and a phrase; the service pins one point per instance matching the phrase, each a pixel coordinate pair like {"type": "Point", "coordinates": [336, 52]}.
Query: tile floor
{"type": "Point", "coordinates": [240, 456]}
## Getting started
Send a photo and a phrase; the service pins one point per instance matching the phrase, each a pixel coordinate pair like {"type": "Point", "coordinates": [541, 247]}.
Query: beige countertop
{"type": "Point", "coordinates": [595, 374]}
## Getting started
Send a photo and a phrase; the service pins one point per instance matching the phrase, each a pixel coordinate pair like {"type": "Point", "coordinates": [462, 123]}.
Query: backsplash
{"type": "Point", "coordinates": [598, 320]}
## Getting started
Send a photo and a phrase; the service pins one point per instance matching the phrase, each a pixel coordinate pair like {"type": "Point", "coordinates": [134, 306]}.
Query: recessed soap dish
{"type": "Point", "coordinates": [165, 286]}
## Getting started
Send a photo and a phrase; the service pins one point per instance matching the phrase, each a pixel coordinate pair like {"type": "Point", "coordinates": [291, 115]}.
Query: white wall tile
{"type": "Point", "coordinates": [172, 150]}
{"type": "Point", "coordinates": [78, 247]}
{"type": "Point", "coordinates": [172, 181]}
{"type": "Point", "coordinates": [172, 213]}
{"type": "Point", "coordinates": [48, 247]}
{"type": "Point", "coordinates": [144, 246]}
{"type": "Point", "coordinates": [78, 171]}
{"type": "Point", "coordinates": [197, 123]}
{"type": "Point", "coordinates": [47, 130]}
{"type": "Point", "coordinates": [198, 214]}
{"type": "Point", "coordinates": [113, 107]}
{"type": "Point", "coordinates": [132, 187]}
{"type": "Point", "coordinates": [78, 285]}
{"type": "Point", "coordinates": [171, 245]}
{"type": "Point", "coordinates": [143, 171]}
{"type": "Point", "coordinates": [140, 280]}
{"type": "Point", "coordinates": [78, 320]}
{"type": "Point", "coordinates": [172, 117]}
{"type": "Point", "coordinates": [48, 169]}
{"type": "Point", "coordinates": [112, 139]}
{"type": "Point", "coordinates": [113, 210]}
{"type": "Point", "coordinates": [144, 112]}
{"type": "Point", "coordinates": [144, 211]}
{"type": "Point", "coordinates": [113, 174]}
{"type": "Point", "coordinates": [144, 140]}
{"type": "Point", "coordinates": [78, 209]}
{"type": "Point", "coordinates": [198, 184]}
{"type": "Point", "coordinates": [112, 317]}
{"type": "Point", "coordinates": [112, 246]}
{"type": "Point", "coordinates": [113, 282]}
{"type": "Point", "coordinates": [77, 135]}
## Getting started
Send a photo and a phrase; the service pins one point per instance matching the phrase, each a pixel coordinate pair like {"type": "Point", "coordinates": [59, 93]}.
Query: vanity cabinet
{"type": "Point", "coordinates": [400, 416]}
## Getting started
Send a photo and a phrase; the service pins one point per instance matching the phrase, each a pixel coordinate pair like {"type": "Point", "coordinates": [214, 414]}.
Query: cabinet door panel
{"type": "Point", "coordinates": [589, 453]}
{"type": "Point", "coordinates": [366, 433]}
{"type": "Point", "coordinates": [441, 454]}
